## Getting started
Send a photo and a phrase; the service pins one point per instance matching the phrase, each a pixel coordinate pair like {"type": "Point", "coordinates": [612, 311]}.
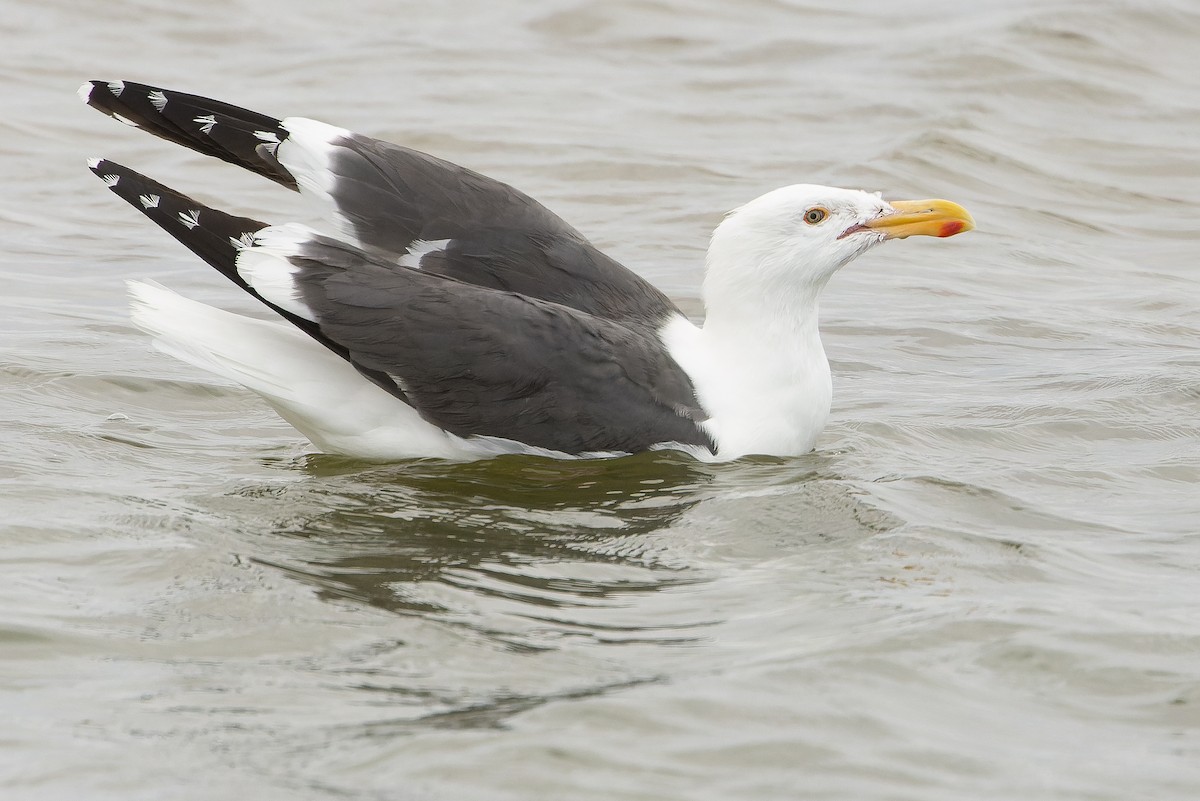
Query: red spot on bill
{"type": "Point", "coordinates": [951, 228]}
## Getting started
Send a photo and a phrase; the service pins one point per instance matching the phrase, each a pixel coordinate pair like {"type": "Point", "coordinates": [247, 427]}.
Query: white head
{"type": "Point", "coordinates": [783, 247]}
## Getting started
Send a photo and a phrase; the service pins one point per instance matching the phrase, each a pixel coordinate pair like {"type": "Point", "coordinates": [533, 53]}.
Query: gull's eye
{"type": "Point", "coordinates": [815, 215]}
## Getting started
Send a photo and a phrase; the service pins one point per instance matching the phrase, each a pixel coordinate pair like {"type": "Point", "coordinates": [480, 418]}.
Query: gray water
{"type": "Point", "coordinates": [984, 584]}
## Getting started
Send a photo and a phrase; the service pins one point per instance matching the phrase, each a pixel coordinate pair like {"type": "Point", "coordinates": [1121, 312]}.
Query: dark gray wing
{"type": "Point", "coordinates": [478, 361]}
{"type": "Point", "coordinates": [394, 198]}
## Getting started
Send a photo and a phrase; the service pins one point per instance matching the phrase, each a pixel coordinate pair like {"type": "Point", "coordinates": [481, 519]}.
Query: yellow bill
{"type": "Point", "coordinates": [923, 218]}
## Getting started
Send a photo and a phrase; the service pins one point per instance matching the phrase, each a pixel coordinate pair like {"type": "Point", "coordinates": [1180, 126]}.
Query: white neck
{"type": "Point", "coordinates": [758, 366]}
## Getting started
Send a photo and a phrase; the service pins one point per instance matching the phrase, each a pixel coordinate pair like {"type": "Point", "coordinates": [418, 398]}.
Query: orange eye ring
{"type": "Point", "coordinates": [815, 215]}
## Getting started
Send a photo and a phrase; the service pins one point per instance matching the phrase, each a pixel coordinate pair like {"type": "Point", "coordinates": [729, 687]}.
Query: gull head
{"type": "Point", "coordinates": [790, 241]}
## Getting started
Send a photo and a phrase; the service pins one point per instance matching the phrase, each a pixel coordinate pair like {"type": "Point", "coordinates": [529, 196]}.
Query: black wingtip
{"type": "Point", "coordinates": [207, 126]}
{"type": "Point", "coordinates": [91, 92]}
{"type": "Point", "coordinates": [103, 169]}
{"type": "Point", "coordinates": [105, 97]}
{"type": "Point", "coordinates": [209, 233]}
{"type": "Point", "coordinates": [89, 88]}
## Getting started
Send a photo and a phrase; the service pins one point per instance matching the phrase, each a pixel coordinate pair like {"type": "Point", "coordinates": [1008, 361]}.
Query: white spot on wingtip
{"type": "Point", "coordinates": [85, 92]}
{"type": "Point", "coordinates": [206, 123]}
{"type": "Point", "coordinates": [157, 99]}
{"type": "Point", "coordinates": [271, 140]}
{"type": "Point", "coordinates": [190, 218]}
{"type": "Point", "coordinates": [110, 180]}
{"type": "Point", "coordinates": [149, 201]}
{"type": "Point", "coordinates": [93, 163]}
{"type": "Point", "coordinates": [116, 87]}
{"type": "Point", "coordinates": [246, 240]}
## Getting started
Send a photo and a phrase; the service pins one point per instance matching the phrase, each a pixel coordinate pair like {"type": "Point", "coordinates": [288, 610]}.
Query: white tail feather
{"type": "Point", "coordinates": [314, 389]}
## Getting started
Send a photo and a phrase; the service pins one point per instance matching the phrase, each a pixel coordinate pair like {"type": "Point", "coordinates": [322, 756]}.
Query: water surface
{"type": "Point", "coordinates": [983, 584]}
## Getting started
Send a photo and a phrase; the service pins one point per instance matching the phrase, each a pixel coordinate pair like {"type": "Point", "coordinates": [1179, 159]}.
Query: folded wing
{"type": "Point", "coordinates": [473, 360]}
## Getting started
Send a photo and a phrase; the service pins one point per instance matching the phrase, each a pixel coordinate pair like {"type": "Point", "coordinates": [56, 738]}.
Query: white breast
{"type": "Point", "coordinates": [763, 397]}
